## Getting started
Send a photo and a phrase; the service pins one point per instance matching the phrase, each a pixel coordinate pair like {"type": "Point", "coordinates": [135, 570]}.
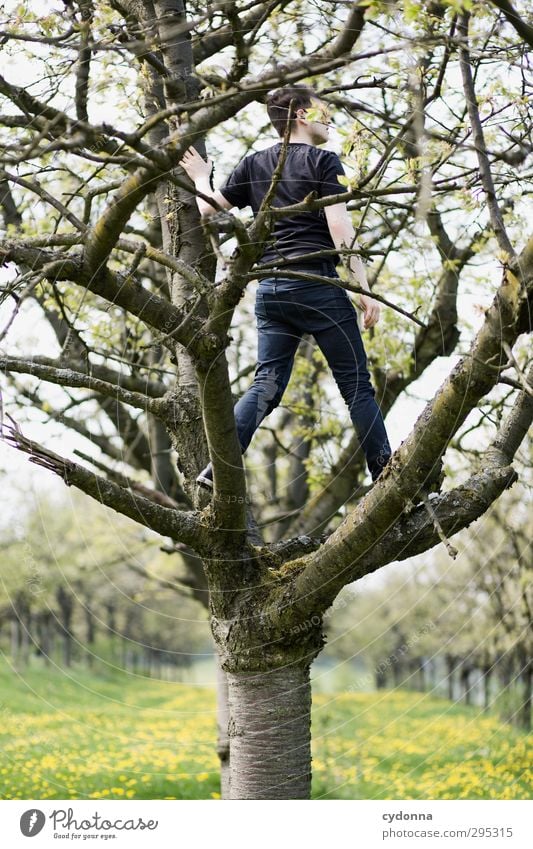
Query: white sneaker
{"type": "Point", "coordinates": [205, 478]}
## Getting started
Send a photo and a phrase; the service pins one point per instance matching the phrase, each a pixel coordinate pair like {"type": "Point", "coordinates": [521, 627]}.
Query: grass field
{"type": "Point", "coordinates": [77, 735]}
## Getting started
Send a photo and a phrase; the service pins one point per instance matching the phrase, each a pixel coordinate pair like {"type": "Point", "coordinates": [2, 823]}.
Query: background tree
{"type": "Point", "coordinates": [103, 237]}
{"type": "Point", "coordinates": [460, 629]}
{"type": "Point", "coordinates": [80, 582]}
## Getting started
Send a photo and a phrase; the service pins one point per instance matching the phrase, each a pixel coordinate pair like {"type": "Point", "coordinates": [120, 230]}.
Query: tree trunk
{"type": "Point", "coordinates": [466, 691]}
{"type": "Point", "coordinates": [223, 742]}
{"type": "Point", "coordinates": [487, 676]}
{"type": "Point", "coordinates": [380, 680]}
{"type": "Point", "coordinates": [163, 475]}
{"type": "Point", "coordinates": [180, 222]}
{"type": "Point", "coordinates": [15, 639]}
{"type": "Point", "coordinates": [26, 623]}
{"type": "Point", "coordinates": [128, 655]}
{"type": "Point", "coordinates": [112, 629]}
{"type": "Point", "coordinates": [397, 673]}
{"type": "Point", "coordinates": [505, 675]}
{"type": "Point", "coordinates": [431, 676]}
{"type": "Point", "coordinates": [270, 734]}
{"type": "Point", "coordinates": [525, 710]}
{"type": "Point", "coordinates": [20, 624]}
{"type": "Point", "coordinates": [148, 662]}
{"type": "Point", "coordinates": [67, 648]}
{"type": "Point", "coordinates": [451, 666]}
{"type": "Point", "coordinates": [417, 679]}
{"type": "Point", "coordinates": [505, 671]}
{"type": "Point", "coordinates": [127, 662]}
{"type": "Point", "coordinates": [90, 626]}
{"type": "Point", "coordinates": [65, 603]}
{"type": "Point", "coordinates": [44, 632]}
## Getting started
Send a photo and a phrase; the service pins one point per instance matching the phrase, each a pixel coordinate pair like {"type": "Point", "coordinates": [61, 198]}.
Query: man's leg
{"type": "Point", "coordinates": [276, 347]}
{"type": "Point", "coordinates": [343, 348]}
{"type": "Point", "coordinates": [277, 344]}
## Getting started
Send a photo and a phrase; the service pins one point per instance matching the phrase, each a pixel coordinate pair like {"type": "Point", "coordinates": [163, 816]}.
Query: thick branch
{"type": "Point", "coordinates": [104, 443]}
{"type": "Point", "coordinates": [129, 483]}
{"type": "Point", "coordinates": [515, 427]}
{"type": "Point", "coordinates": [458, 508]}
{"type": "Point", "coordinates": [350, 31]}
{"type": "Point", "coordinates": [412, 534]}
{"type": "Point", "coordinates": [217, 408]}
{"type": "Point", "coordinates": [224, 448]}
{"type": "Point", "coordinates": [455, 510]}
{"type": "Point", "coordinates": [207, 44]}
{"type": "Point", "coordinates": [48, 370]}
{"type": "Point", "coordinates": [179, 525]}
{"type": "Point", "coordinates": [415, 464]}
{"type": "Point", "coordinates": [84, 60]}
{"type": "Point", "coordinates": [34, 186]}
{"type": "Point", "coordinates": [51, 122]}
{"type": "Point", "coordinates": [125, 292]}
{"type": "Point", "coordinates": [521, 26]}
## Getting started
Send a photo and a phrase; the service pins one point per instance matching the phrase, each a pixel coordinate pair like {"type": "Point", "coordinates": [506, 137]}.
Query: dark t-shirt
{"type": "Point", "coordinates": [306, 169]}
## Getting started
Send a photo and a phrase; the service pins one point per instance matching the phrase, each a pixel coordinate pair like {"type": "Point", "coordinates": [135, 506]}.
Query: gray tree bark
{"type": "Point", "coordinates": [466, 693]}
{"type": "Point", "coordinates": [44, 631]}
{"type": "Point", "coordinates": [223, 741]}
{"type": "Point", "coordinates": [64, 600]}
{"type": "Point", "coordinates": [527, 682]}
{"type": "Point", "coordinates": [15, 639]}
{"type": "Point", "coordinates": [487, 677]}
{"type": "Point", "coordinates": [270, 733]}
{"type": "Point", "coordinates": [451, 667]}
{"type": "Point", "coordinates": [90, 632]}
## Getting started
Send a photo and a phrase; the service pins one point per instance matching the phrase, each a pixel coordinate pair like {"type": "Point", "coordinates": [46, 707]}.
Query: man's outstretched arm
{"type": "Point", "coordinates": [343, 234]}
{"type": "Point", "coordinates": [200, 171]}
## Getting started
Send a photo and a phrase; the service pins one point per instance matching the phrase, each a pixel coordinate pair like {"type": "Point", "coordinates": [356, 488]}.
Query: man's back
{"type": "Point", "coordinates": [307, 169]}
{"type": "Point", "coordinates": [320, 308]}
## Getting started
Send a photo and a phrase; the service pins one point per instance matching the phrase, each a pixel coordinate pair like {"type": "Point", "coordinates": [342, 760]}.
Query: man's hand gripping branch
{"type": "Point", "coordinates": [199, 170]}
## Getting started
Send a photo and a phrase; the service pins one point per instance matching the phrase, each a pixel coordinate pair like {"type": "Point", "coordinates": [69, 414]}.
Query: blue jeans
{"type": "Point", "coordinates": [285, 309]}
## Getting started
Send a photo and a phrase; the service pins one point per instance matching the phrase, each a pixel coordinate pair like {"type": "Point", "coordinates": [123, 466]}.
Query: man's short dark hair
{"type": "Point", "coordinates": [278, 103]}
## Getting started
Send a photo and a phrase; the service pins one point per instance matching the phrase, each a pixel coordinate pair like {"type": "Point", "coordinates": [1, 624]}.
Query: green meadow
{"type": "Point", "coordinates": [72, 734]}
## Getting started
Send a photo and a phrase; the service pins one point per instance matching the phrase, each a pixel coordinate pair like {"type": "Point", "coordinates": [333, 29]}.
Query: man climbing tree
{"type": "Point", "coordinates": [287, 307]}
{"type": "Point", "coordinates": [102, 238]}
